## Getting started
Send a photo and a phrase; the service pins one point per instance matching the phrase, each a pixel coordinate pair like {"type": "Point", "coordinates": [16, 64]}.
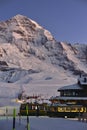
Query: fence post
{"type": "Point", "coordinates": [19, 118]}
{"type": "Point", "coordinates": [14, 115]}
{"type": "Point", "coordinates": [28, 125]}
{"type": "Point", "coordinates": [6, 113]}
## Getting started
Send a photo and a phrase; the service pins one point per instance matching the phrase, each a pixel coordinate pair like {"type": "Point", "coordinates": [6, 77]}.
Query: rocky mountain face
{"type": "Point", "coordinates": [27, 48]}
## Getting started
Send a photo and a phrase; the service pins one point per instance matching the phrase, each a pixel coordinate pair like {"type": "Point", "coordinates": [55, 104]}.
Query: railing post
{"type": "Point", "coordinates": [6, 113]}
{"type": "Point", "coordinates": [28, 124]}
{"type": "Point", "coordinates": [14, 115]}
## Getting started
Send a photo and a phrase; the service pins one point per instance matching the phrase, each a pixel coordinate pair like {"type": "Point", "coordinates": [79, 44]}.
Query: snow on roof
{"type": "Point", "coordinates": [83, 80]}
{"type": "Point", "coordinates": [70, 98]}
{"type": "Point", "coordinates": [64, 105]}
{"type": "Point", "coordinates": [73, 86]}
{"type": "Point", "coordinates": [83, 83]}
{"type": "Point", "coordinates": [59, 104]}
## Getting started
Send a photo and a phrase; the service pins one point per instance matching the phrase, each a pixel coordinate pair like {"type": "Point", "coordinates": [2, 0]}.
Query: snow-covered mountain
{"type": "Point", "coordinates": [32, 60]}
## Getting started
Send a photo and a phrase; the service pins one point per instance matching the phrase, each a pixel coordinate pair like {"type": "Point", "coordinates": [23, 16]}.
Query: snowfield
{"type": "Point", "coordinates": [43, 123]}
{"type": "Point", "coordinates": [44, 88]}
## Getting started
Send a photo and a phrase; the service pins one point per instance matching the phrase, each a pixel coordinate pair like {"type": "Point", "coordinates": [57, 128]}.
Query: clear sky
{"type": "Point", "coordinates": [65, 19]}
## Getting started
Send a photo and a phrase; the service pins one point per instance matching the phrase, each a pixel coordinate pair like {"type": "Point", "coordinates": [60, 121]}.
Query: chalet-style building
{"type": "Point", "coordinates": [73, 94]}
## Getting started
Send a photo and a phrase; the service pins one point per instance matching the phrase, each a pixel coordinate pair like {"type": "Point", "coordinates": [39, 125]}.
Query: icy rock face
{"type": "Point", "coordinates": [26, 45]}
{"type": "Point", "coordinates": [20, 28]}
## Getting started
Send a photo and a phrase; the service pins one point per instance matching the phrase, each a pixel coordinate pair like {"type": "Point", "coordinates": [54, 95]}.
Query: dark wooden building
{"type": "Point", "coordinates": [73, 94]}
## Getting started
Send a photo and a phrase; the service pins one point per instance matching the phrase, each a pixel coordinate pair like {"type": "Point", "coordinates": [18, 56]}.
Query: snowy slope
{"type": "Point", "coordinates": [33, 61]}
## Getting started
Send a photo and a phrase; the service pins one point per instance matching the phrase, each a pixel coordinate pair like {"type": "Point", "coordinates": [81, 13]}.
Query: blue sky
{"type": "Point", "coordinates": [65, 19]}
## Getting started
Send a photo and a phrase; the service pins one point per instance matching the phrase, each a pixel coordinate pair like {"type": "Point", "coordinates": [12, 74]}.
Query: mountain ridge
{"type": "Point", "coordinates": [22, 37]}
{"type": "Point", "coordinates": [30, 57]}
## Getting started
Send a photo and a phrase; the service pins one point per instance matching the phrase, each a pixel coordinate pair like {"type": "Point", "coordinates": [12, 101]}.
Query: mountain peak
{"type": "Point", "coordinates": [25, 20]}
{"type": "Point", "coordinates": [32, 40]}
{"type": "Point", "coordinates": [22, 29]}
{"type": "Point", "coordinates": [19, 16]}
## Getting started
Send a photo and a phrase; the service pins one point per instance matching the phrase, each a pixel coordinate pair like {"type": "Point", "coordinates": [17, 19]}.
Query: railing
{"type": "Point", "coordinates": [12, 112]}
{"type": "Point", "coordinates": [8, 111]}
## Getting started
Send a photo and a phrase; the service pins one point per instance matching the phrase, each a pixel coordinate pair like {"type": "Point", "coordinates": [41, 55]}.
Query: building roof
{"type": "Point", "coordinates": [70, 87]}
{"type": "Point", "coordinates": [63, 105]}
{"type": "Point", "coordinates": [69, 98]}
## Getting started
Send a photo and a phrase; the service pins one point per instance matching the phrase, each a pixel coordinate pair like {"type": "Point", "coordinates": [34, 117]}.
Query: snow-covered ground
{"type": "Point", "coordinates": [43, 123]}
{"type": "Point", "coordinates": [38, 86]}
